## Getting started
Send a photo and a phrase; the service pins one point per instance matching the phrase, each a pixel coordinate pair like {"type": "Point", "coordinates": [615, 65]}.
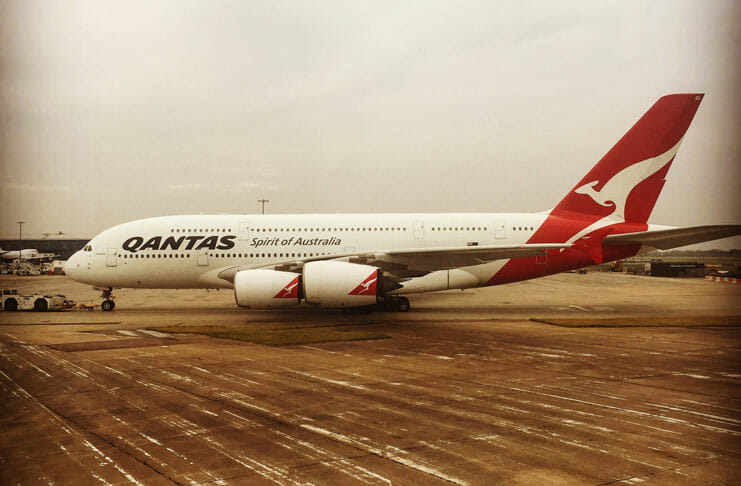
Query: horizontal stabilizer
{"type": "Point", "coordinates": [676, 237]}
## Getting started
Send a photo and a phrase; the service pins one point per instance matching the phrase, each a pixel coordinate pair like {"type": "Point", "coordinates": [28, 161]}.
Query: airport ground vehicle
{"type": "Point", "coordinates": [11, 301]}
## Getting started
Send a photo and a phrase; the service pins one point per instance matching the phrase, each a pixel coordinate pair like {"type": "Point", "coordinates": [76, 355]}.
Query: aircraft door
{"type": "Point", "coordinates": [202, 258]}
{"type": "Point", "coordinates": [419, 229]}
{"type": "Point", "coordinates": [244, 231]}
{"type": "Point", "coordinates": [500, 229]}
{"type": "Point", "coordinates": [111, 257]}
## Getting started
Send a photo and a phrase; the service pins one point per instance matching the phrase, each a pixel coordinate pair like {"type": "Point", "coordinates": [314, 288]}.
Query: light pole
{"type": "Point", "coordinates": [20, 240]}
{"type": "Point", "coordinates": [263, 201]}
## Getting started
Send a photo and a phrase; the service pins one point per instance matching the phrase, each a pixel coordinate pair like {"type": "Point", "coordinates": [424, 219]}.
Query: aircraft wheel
{"type": "Point", "coordinates": [108, 305]}
{"type": "Point", "coordinates": [402, 304]}
{"type": "Point", "coordinates": [41, 305]}
{"type": "Point", "coordinates": [11, 305]}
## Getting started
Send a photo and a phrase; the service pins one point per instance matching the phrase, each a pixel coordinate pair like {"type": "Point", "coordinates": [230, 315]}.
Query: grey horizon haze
{"type": "Point", "coordinates": [114, 111]}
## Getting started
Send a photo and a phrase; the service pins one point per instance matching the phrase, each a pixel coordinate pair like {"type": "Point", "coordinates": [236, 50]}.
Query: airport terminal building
{"type": "Point", "coordinates": [63, 245]}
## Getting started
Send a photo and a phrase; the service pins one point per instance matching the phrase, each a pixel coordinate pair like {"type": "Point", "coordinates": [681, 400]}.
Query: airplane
{"type": "Point", "coordinates": [29, 254]}
{"type": "Point", "coordinates": [357, 260]}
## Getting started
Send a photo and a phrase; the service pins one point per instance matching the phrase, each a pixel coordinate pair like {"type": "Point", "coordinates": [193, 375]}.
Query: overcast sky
{"type": "Point", "coordinates": [113, 111]}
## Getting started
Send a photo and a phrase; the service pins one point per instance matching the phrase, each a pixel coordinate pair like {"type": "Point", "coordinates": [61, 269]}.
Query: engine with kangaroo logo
{"type": "Point", "coordinates": [341, 284]}
{"type": "Point", "coordinates": [267, 288]}
{"type": "Point", "coordinates": [329, 284]}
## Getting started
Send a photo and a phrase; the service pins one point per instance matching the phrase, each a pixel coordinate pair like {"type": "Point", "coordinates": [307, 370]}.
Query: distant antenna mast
{"type": "Point", "coordinates": [263, 201]}
{"type": "Point", "coordinates": [20, 240]}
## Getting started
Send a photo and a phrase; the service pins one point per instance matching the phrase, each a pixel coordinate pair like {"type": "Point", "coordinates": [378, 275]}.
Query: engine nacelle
{"type": "Point", "coordinates": [267, 288]}
{"type": "Point", "coordinates": [341, 284]}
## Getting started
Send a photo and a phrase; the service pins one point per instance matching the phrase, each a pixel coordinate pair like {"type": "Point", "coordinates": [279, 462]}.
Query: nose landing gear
{"type": "Point", "coordinates": [108, 304]}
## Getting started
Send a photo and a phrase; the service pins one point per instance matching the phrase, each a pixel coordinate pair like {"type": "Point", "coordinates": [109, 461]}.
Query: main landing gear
{"type": "Point", "coordinates": [108, 304]}
{"type": "Point", "coordinates": [394, 303]}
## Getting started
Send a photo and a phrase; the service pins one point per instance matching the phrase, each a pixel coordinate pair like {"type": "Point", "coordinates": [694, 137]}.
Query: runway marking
{"type": "Point", "coordinates": [637, 412]}
{"type": "Point", "coordinates": [108, 460]}
{"type": "Point", "coordinates": [231, 396]}
{"type": "Point", "coordinates": [247, 421]}
{"type": "Point", "coordinates": [208, 412]}
{"type": "Point", "coordinates": [67, 365]}
{"type": "Point", "coordinates": [632, 481]}
{"type": "Point", "coordinates": [436, 356]}
{"type": "Point", "coordinates": [156, 334]}
{"type": "Point", "coordinates": [278, 475]}
{"type": "Point", "coordinates": [115, 371]}
{"type": "Point", "coordinates": [712, 405]}
{"type": "Point", "coordinates": [240, 379]}
{"type": "Point", "coordinates": [12, 337]}
{"type": "Point", "coordinates": [347, 465]}
{"type": "Point", "coordinates": [699, 377]}
{"type": "Point", "coordinates": [729, 375]}
{"type": "Point", "coordinates": [100, 479]}
{"type": "Point", "coordinates": [32, 365]}
{"type": "Point", "coordinates": [534, 431]}
{"type": "Point", "coordinates": [545, 355]}
{"type": "Point", "coordinates": [177, 377]}
{"type": "Point", "coordinates": [714, 418]}
{"type": "Point", "coordinates": [392, 453]}
{"type": "Point", "coordinates": [327, 380]}
{"type": "Point", "coordinates": [199, 369]}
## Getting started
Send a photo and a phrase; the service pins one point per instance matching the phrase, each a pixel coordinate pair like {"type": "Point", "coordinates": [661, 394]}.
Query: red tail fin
{"type": "Point", "coordinates": [626, 182]}
{"type": "Point", "coordinates": [616, 196]}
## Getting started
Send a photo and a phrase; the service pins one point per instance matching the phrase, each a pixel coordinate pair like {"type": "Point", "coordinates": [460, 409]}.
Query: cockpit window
{"type": "Point", "coordinates": [87, 248]}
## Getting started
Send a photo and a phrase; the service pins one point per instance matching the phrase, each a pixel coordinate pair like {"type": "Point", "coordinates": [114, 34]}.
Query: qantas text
{"type": "Point", "coordinates": [195, 242]}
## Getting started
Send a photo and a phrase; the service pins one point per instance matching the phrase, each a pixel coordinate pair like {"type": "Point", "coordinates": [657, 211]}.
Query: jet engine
{"type": "Point", "coordinates": [341, 284]}
{"type": "Point", "coordinates": [267, 288]}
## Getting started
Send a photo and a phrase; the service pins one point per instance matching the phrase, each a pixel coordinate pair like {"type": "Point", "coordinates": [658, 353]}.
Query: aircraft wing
{"type": "Point", "coordinates": [666, 239]}
{"type": "Point", "coordinates": [484, 253]}
{"type": "Point", "coordinates": [412, 262]}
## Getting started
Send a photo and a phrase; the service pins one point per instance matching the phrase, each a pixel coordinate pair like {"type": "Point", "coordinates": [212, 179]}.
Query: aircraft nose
{"type": "Point", "coordinates": [71, 265]}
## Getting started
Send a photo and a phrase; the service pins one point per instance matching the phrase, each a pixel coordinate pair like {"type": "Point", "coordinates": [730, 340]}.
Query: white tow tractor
{"type": "Point", "coordinates": [11, 301]}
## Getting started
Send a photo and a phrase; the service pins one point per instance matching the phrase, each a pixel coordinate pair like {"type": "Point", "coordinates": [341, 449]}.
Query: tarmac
{"type": "Point", "coordinates": [637, 382]}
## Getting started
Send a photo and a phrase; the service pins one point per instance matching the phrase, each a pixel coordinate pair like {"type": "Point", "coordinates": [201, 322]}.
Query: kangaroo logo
{"type": "Point", "coordinates": [367, 286]}
{"type": "Point", "coordinates": [615, 192]}
{"type": "Point", "coordinates": [290, 291]}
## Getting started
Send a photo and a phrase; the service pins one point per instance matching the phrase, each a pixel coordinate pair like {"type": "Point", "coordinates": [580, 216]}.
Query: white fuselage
{"type": "Point", "coordinates": [191, 251]}
{"type": "Point", "coordinates": [25, 254]}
